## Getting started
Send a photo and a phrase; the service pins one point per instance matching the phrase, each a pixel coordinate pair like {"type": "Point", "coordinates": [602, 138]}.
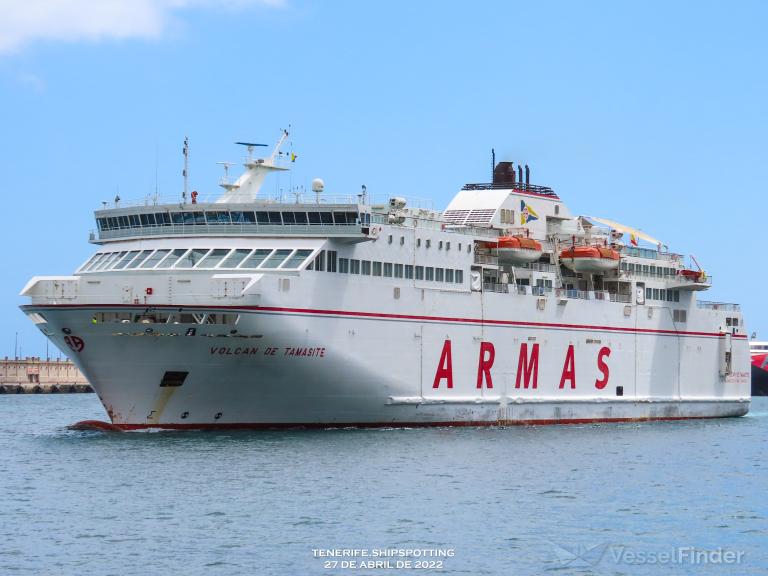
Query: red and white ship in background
{"type": "Point", "coordinates": [759, 353]}
{"type": "Point", "coordinates": [254, 311]}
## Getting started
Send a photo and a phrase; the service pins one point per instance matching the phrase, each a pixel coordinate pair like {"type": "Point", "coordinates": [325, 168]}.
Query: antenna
{"type": "Point", "coordinates": [185, 173]}
{"type": "Point", "coordinates": [227, 165]}
{"type": "Point", "coordinates": [250, 146]}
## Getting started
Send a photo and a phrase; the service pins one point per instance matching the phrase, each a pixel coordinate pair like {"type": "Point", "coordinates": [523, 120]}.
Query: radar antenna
{"type": "Point", "coordinates": [250, 146]}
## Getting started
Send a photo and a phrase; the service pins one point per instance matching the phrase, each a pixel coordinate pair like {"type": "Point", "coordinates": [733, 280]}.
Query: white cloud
{"type": "Point", "coordinates": [25, 21]}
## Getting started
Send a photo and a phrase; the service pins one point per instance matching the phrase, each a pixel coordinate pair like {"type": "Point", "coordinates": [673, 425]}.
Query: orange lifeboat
{"type": "Point", "coordinates": [517, 249]}
{"type": "Point", "coordinates": [590, 258]}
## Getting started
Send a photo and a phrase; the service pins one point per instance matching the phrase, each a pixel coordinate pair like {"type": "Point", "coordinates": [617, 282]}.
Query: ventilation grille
{"type": "Point", "coordinates": [480, 216]}
{"type": "Point", "coordinates": [462, 217]}
{"type": "Point", "coordinates": [456, 217]}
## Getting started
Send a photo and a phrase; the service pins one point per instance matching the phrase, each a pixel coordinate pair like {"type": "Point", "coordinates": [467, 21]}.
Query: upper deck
{"type": "Point", "coordinates": [337, 217]}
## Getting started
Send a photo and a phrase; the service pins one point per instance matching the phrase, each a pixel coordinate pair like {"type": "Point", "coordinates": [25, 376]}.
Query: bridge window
{"type": "Point", "coordinates": [314, 217]}
{"type": "Point", "coordinates": [214, 257]}
{"type": "Point", "coordinates": [152, 261]}
{"type": "Point", "coordinates": [134, 220]}
{"type": "Point", "coordinates": [177, 217]}
{"type": "Point", "coordinates": [255, 259]}
{"type": "Point", "coordinates": [289, 218]}
{"type": "Point", "coordinates": [340, 217]}
{"type": "Point", "coordinates": [147, 219]}
{"type": "Point", "coordinates": [326, 217]}
{"type": "Point", "coordinates": [300, 217]}
{"type": "Point", "coordinates": [124, 222]}
{"type": "Point", "coordinates": [163, 218]}
{"type": "Point", "coordinates": [234, 259]}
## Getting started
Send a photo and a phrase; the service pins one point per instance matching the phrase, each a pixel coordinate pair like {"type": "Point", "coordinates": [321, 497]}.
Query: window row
{"type": "Point", "coordinates": [428, 243]}
{"type": "Point", "coordinates": [385, 269]}
{"type": "Point", "coordinates": [230, 217]}
{"type": "Point", "coordinates": [199, 258]}
{"type": "Point", "coordinates": [662, 295]}
{"type": "Point", "coordinates": [648, 270]}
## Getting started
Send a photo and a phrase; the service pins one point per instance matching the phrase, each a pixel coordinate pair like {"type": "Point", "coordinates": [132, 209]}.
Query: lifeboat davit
{"type": "Point", "coordinates": [590, 258]}
{"type": "Point", "coordinates": [517, 250]}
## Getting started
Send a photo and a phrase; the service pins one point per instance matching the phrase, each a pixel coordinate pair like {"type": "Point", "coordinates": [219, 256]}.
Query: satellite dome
{"type": "Point", "coordinates": [318, 185]}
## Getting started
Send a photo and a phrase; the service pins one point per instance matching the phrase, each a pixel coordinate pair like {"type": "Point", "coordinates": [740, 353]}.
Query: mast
{"type": "Point", "coordinates": [185, 172]}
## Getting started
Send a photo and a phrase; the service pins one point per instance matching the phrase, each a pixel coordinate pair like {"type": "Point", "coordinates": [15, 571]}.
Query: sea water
{"type": "Point", "coordinates": [685, 497]}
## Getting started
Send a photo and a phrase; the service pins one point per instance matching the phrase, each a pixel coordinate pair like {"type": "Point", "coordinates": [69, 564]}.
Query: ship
{"type": "Point", "coordinates": [759, 354]}
{"type": "Point", "coordinates": [256, 309]}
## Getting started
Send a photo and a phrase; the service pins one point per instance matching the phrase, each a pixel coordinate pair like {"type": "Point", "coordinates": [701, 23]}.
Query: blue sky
{"type": "Point", "coordinates": [652, 113]}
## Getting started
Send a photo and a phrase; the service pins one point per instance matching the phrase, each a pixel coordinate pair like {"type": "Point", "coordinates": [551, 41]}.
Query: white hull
{"type": "Point", "coordinates": [327, 367]}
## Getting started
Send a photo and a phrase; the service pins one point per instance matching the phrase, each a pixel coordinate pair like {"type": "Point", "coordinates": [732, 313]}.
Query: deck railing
{"type": "Point", "coordinates": [727, 306]}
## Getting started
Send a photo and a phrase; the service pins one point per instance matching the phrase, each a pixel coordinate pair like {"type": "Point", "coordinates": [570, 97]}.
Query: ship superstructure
{"type": "Point", "coordinates": [247, 310]}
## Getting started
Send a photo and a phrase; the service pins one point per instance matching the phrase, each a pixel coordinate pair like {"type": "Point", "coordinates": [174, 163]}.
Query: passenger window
{"type": "Point", "coordinates": [191, 258]}
{"type": "Point", "coordinates": [255, 259]}
{"type": "Point", "coordinates": [213, 258]}
{"type": "Point", "coordinates": [276, 258]}
{"type": "Point", "coordinates": [153, 260]}
{"type": "Point", "coordinates": [235, 258]}
{"type": "Point", "coordinates": [297, 258]}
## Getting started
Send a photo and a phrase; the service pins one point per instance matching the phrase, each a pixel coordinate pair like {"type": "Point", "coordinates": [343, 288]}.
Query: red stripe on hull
{"type": "Point", "coordinates": [385, 316]}
{"type": "Point", "coordinates": [449, 424]}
